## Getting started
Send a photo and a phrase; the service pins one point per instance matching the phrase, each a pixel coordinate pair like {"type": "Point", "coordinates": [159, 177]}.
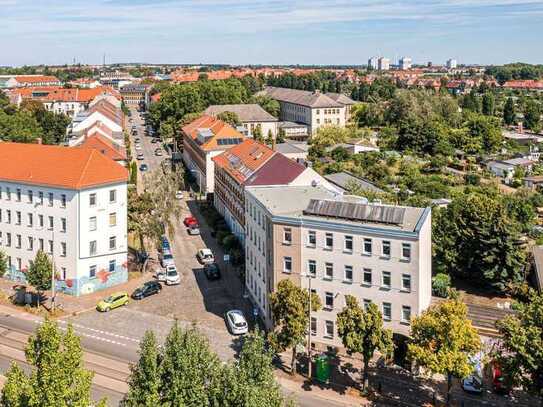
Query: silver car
{"type": "Point", "coordinates": [236, 322]}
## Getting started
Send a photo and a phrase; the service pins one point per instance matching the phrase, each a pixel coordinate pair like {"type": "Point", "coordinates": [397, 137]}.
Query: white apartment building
{"type": "Point", "coordinates": [70, 203]}
{"type": "Point", "coordinates": [373, 63]}
{"type": "Point", "coordinates": [452, 63]}
{"type": "Point", "coordinates": [405, 63]}
{"type": "Point", "coordinates": [377, 253]}
{"type": "Point", "coordinates": [383, 64]}
{"type": "Point", "coordinates": [314, 109]}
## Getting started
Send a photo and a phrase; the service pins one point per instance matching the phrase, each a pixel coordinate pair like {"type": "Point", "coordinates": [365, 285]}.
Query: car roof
{"type": "Point", "coordinates": [116, 294]}
{"type": "Point", "coordinates": [205, 251]}
{"type": "Point", "coordinates": [171, 266]}
{"type": "Point", "coordinates": [237, 315]}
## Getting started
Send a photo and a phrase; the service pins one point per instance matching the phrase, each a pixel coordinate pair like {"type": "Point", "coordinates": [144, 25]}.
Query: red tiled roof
{"type": "Point", "coordinates": [105, 146]}
{"type": "Point", "coordinates": [524, 84]}
{"type": "Point", "coordinates": [56, 93]}
{"type": "Point", "coordinates": [56, 166]}
{"type": "Point", "coordinates": [36, 78]}
{"type": "Point", "coordinates": [242, 160]}
{"type": "Point", "coordinates": [219, 129]}
{"type": "Point", "coordinates": [279, 170]}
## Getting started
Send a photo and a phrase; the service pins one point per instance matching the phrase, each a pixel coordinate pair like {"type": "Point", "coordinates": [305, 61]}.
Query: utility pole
{"type": "Point", "coordinates": [309, 333]}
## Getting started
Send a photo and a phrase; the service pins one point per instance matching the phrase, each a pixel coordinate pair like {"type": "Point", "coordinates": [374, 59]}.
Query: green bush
{"type": "Point", "coordinates": [441, 284]}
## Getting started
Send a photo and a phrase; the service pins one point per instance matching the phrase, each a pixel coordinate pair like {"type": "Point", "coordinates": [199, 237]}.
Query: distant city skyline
{"type": "Point", "coordinates": [237, 32]}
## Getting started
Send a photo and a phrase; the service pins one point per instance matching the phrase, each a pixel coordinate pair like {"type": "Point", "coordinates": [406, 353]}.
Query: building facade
{"type": "Point", "coordinates": [405, 63]}
{"type": "Point", "coordinates": [135, 94]}
{"type": "Point", "coordinates": [298, 234]}
{"type": "Point", "coordinates": [383, 64]}
{"type": "Point", "coordinates": [69, 203]}
{"type": "Point", "coordinates": [252, 116]}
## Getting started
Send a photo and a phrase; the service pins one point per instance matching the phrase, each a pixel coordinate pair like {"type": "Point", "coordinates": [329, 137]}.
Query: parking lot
{"type": "Point", "coordinates": [196, 300]}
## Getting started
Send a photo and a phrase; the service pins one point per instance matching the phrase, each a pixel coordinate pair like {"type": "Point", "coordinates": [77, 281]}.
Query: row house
{"type": "Point", "coordinates": [24, 81]}
{"type": "Point", "coordinates": [70, 203]}
{"type": "Point", "coordinates": [337, 245]}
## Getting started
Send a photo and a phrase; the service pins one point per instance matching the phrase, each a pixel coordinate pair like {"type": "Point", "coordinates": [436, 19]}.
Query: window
{"type": "Point", "coordinates": [387, 311]}
{"type": "Point", "coordinates": [51, 223]}
{"type": "Point", "coordinates": [18, 194]}
{"type": "Point", "coordinates": [367, 246]}
{"type": "Point", "coordinates": [18, 241]}
{"type": "Point", "coordinates": [113, 219]}
{"type": "Point", "coordinates": [366, 304]}
{"type": "Point", "coordinates": [50, 199]}
{"type": "Point", "coordinates": [8, 194]}
{"type": "Point", "coordinates": [40, 197]}
{"type": "Point", "coordinates": [386, 279]}
{"type": "Point", "coordinates": [63, 200]}
{"type": "Point", "coordinates": [30, 220]}
{"type": "Point", "coordinates": [313, 326]}
{"type": "Point", "coordinates": [112, 196]}
{"type": "Point", "coordinates": [406, 314]}
{"type": "Point", "coordinates": [92, 200]}
{"type": "Point", "coordinates": [30, 243]}
{"type": "Point", "coordinates": [348, 275]}
{"type": "Point", "coordinates": [329, 271]}
{"type": "Point", "coordinates": [386, 248]}
{"type": "Point", "coordinates": [30, 196]}
{"type": "Point", "coordinates": [311, 238]}
{"type": "Point", "coordinates": [63, 224]}
{"type": "Point", "coordinates": [92, 223]}
{"type": "Point", "coordinates": [92, 248]}
{"type": "Point", "coordinates": [112, 266]}
{"type": "Point", "coordinates": [329, 241]}
{"type": "Point", "coordinates": [8, 239]}
{"type": "Point", "coordinates": [366, 278]}
{"type": "Point", "coordinates": [112, 243]}
{"type": "Point", "coordinates": [348, 244]}
{"type": "Point", "coordinates": [287, 236]}
{"type": "Point", "coordinates": [63, 249]}
{"type": "Point", "coordinates": [92, 271]}
{"type": "Point", "coordinates": [19, 264]}
{"type": "Point", "coordinates": [406, 251]}
{"type": "Point", "coordinates": [287, 264]}
{"type": "Point", "coordinates": [51, 247]}
{"type": "Point", "coordinates": [18, 217]}
{"type": "Point", "coordinates": [8, 212]}
{"type": "Point", "coordinates": [312, 268]}
{"type": "Point", "coordinates": [63, 273]}
{"type": "Point", "coordinates": [406, 282]}
{"type": "Point", "coordinates": [329, 329]}
{"type": "Point", "coordinates": [40, 221]}
{"type": "Point", "coordinates": [329, 300]}
{"type": "Point", "coordinates": [40, 242]}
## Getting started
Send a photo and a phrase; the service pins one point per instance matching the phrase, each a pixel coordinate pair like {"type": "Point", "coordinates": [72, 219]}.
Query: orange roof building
{"type": "Point", "coordinates": [104, 145]}
{"type": "Point", "coordinates": [203, 139]}
{"type": "Point", "coordinates": [70, 203]}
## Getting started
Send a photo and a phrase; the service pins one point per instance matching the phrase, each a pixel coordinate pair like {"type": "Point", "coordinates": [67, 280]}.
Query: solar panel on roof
{"type": "Point", "coordinates": [356, 211]}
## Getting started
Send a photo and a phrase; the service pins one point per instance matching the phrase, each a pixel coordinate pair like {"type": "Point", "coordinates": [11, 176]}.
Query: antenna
{"type": "Point", "coordinates": [104, 60]}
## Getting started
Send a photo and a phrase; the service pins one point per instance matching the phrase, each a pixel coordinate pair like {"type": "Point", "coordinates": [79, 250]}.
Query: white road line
{"type": "Point", "coordinates": [98, 331]}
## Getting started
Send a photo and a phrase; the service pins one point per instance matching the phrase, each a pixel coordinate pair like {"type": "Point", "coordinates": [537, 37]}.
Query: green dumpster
{"type": "Point", "coordinates": [322, 366]}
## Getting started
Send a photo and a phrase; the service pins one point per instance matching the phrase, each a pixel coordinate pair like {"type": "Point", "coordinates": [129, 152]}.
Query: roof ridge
{"type": "Point", "coordinates": [92, 151]}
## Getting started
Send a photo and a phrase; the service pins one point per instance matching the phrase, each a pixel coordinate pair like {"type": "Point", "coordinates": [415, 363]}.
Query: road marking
{"type": "Point", "coordinates": [99, 331]}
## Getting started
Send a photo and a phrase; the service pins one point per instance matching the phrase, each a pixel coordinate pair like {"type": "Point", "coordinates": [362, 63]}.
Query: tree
{"type": "Point", "coordinates": [532, 116]}
{"type": "Point", "coordinates": [257, 134]}
{"type": "Point", "coordinates": [520, 352]}
{"type": "Point", "coordinates": [58, 377]}
{"type": "Point", "coordinates": [267, 103]}
{"type": "Point", "coordinates": [488, 104]}
{"type": "Point", "coordinates": [144, 381]}
{"type": "Point", "coordinates": [509, 114]}
{"type": "Point", "coordinates": [485, 129]}
{"type": "Point", "coordinates": [189, 371]}
{"type": "Point", "coordinates": [290, 309]}
{"type": "Point", "coordinates": [280, 136]}
{"type": "Point", "coordinates": [444, 341]}
{"type": "Point", "coordinates": [230, 117]}
{"type": "Point", "coordinates": [362, 331]}
{"type": "Point", "coordinates": [3, 263]}
{"type": "Point", "coordinates": [40, 272]}
{"type": "Point", "coordinates": [476, 238]}
{"type": "Point", "coordinates": [269, 138]}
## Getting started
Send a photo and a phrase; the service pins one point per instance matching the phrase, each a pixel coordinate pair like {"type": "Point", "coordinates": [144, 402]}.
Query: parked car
{"type": "Point", "coordinates": [193, 230]}
{"type": "Point", "coordinates": [472, 384]}
{"type": "Point", "coordinates": [179, 195]}
{"type": "Point", "coordinates": [158, 152]}
{"type": "Point", "coordinates": [140, 156]}
{"type": "Point", "coordinates": [137, 139]}
{"type": "Point", "coordinates": [154, 141]}
{"type": "Point", "coordinates": [115, 300]}
{"type": "Point", "coordinates": [190, 220]}
{"type": "Point", "coordinates": [172, 276]}
{"type": "Point", "coordinates": [166, 258]}
{"type": "Point", "coordinates": [205, 256]}
{"type": "Point", "coordinates": [144, 167]}
{"type": "Point", "coordinates": [212, 271]}
{"type": "Point", "coordinates": [236, 322]}
{"type": "Point", "coordinates": [147, 289]}
{"type": "Point", "coordinates": [165, 243]}
{"type": "Point", "coordinates": [138, 146]}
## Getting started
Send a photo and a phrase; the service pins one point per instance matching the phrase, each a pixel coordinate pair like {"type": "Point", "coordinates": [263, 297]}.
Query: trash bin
{"type": "Point", "coordinates": [322, 366]}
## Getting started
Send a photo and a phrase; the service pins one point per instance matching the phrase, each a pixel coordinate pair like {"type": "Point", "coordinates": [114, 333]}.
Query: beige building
{"type": "Point", "coordinates": [314, 109]}
{"type": "Point", "coordinates": [344, 246]}
{"type": "Point", "coordinates": [251, 116]}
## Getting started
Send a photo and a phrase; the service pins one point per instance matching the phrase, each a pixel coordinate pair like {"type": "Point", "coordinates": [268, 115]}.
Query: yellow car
{"type": "Point", "coordinates": [115, 300]}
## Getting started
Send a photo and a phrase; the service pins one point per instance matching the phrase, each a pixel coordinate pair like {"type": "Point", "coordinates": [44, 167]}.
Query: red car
{"type": "Point", "coordinates": [190, 221]}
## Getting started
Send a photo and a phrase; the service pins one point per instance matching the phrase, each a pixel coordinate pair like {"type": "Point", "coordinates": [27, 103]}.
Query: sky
{"type": "Point", "coordinates": [236, 32]}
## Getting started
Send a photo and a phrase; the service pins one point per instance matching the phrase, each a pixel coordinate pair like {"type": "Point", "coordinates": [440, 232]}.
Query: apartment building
{"type": "Point", "coordinates": [383, 64]}
{"type": "Point", "coordinates": [343, 246]}
{"type": "Point", "coordinates": [22, 81]}
{"type": "Point", "coordinates": [135, 94]}
{"type": "Point", "coordinates": [69, 202]}
{"type": "Point", "coordinates": [405, 63]}
{"type": "Point", "coordinates": [251, 116]}
{"type": "Point", "coordinates": [252, 164]}
{"type": "Point", "coordinates": [203, 139]}
{"type": "Point", "coordinates": [373, 63]}
{"type": "Point", "coordinates": [314, 109]}
{"type": "Point", "coordinates": [343, 100]}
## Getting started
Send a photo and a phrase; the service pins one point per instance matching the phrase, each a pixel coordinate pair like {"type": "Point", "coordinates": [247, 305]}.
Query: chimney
{"type": "Point", "coordinates": [38, 140]}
